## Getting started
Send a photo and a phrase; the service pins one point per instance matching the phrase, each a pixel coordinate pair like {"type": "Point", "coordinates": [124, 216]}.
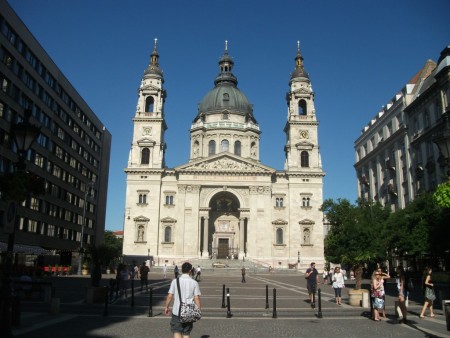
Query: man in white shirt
{"type": "Point", "coordinates": [190, 292]}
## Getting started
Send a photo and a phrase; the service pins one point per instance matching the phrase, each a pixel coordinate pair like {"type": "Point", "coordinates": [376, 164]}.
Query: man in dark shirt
{"type": "Point", "coordinates": [143, 271]}
{"type": "Point", "coordinates": [312, 278]}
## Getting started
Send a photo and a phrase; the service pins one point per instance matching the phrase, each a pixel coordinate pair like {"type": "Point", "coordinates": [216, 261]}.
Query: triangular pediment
{"type": "Point", "coordinates": [306, 221]}
{"type": "Point", "coordinates": [279, 221]}
{"type": "Point", "coordinates": [141, 219]}
{"type": "Point", "coordinates": [225, 162]}
{"type": "Point", "coordinates": [168, 220]}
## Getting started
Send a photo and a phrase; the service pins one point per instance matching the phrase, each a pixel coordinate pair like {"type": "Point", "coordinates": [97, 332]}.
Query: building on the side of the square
{"type": "Point", "coordinates": [224, 202]}
{"type": "Point", "coordinates": [396, 157]}
{"type": "Point", "coordinates": [71, 152]}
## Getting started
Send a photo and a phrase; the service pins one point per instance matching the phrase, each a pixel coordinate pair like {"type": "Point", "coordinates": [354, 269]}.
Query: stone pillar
{"type": "Point", "coordinates": [205, 237]}
{"type": "Point", "coordinates": [241, 237]}
{"type": "Point", "coordinates": [199, 236]}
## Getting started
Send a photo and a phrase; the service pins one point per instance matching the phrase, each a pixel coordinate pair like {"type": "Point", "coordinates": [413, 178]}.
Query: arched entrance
{"type": "Point", "coordinates": [224, 225]}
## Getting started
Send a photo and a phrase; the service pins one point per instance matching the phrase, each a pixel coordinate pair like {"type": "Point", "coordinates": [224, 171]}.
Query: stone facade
{"type": "Point", "coordinates": [224, 202]}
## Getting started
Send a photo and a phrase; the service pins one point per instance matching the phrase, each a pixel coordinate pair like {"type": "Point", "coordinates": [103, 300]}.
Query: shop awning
{"type": "Point", "coordinates": [25, 249]}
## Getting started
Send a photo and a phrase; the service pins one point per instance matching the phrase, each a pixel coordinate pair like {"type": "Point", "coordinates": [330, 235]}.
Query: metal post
{"type": "Point", "coordinates": [267, 296]}
{"type": "Point", "coordinates": [274, 312]}
{"type": "Point", "coordinates": [223, 297]}
{"type": "Point", "coordinates": [229, 315]}
{"type": "Point", "coordinates": [319, 314]}
{"type": "Point", "coordinates": [132, 292]}
{"type": "Point", "coordinates": [105, 311]}
{"type": "Point", "coordinates": [150, 301]}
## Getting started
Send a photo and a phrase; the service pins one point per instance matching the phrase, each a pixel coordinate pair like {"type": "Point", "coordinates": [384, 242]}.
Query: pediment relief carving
{"type": "Point", "coordinates": [141, 219]}
{"type": "Point", "coordinates": [226, 163]}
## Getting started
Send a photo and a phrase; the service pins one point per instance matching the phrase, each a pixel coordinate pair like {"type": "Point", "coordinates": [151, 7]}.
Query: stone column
{"type": "Point", "coordinates": [241, 237]}
{"type": "Point", "coordinates": [199, 235]}
{"type": "Point", "coordinates": [205, 237]}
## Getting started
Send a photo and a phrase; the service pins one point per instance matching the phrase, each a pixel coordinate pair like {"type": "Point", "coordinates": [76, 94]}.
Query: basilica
{"type": "Point", "coordinates": [224, 203]}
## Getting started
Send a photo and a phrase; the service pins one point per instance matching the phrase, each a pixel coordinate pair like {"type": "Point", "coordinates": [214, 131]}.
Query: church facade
{"type": "Point", "coordinates": [224, 203]}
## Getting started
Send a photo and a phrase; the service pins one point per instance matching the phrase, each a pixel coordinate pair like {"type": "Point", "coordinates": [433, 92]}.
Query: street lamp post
{"type": "Point", "coordinates": [24, 134]}
{"type": "Point", "coordinates": [80, 257]}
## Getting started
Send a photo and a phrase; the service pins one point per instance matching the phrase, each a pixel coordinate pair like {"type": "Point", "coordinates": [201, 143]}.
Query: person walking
{"type": "Point", "coordinates": [428, 289]}
{"type": "Point", "coordinates": [338, 284]}
{"type": "Point", "coordinates": [190, 292]}
{"type": "Point", "coordinates": [243, 275]}
{"type": "Point", "coordinates": [325, 276]}
{"type": "Point", "coordinates": [401, 287]}
{"type": "Point", "coordinates": [176, 271]}
{"type": "Point", "coordinates": [143, 271]}
{"type": "Point", "coordinates": [198, 274]}
{"type": "Point", "coordinates": [312, 279]}
{"type": "Point", "coordinates": [165, 270]}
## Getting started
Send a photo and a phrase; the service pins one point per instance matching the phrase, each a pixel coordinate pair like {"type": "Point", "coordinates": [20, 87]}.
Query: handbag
{"type": "Point", "coordinates": [429, 294]}
{"type": "Point", "coordinates": [188, 312]}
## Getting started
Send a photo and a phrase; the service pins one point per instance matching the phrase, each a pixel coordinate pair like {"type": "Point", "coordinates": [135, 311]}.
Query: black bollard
{"type": "Point", "coordinates": [229, 315]}
{"type": "Point", "coordinates": [319, 314]}
{"type": "Point", "coordinates": [105, 311]}
{"type": "Point", "coordinates": [150, 301]}
{"type": "Point", "coordinates": [132, 293]}
{"type": "Point", "coordinates": [223, 297]}
{"type": "Point", "coordinates": [274, 313]}
{"type": "Point", "coordinates": [267, 296]}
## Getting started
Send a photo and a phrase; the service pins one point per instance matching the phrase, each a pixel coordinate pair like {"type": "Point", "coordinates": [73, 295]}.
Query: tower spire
{"type": "Point", "coordinates": [153, 67]}
{"type": "Point", "coordinates": [299, 70]}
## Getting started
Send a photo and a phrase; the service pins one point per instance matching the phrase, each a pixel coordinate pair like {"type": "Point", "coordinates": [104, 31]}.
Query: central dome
{"type": "Point", "coordinates": [225, 96]}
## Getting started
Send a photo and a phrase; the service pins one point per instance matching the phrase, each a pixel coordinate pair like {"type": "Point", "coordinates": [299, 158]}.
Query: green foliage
{"type": "Point", "coordinates": [442, 195]}
{"type": "Point", "coordinates": [355, 234]}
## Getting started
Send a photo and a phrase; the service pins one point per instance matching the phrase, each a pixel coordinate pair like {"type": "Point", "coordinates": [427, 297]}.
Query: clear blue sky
{"type": "Point", "coordinates": [359, 54]}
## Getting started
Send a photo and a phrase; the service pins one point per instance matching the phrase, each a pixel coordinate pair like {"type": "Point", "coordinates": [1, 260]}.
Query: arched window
{"type": "Point", "coordinates": [226, 97]}
{"type": "Point", "coordinates": [211, 147]}
{"type": "Point", "coordinates": [306, 201]}
{"type": "Point", "coordinates": [304, 159]}
{"type": "Point", "coordinates": [279, 202]}
{"type": "Point", "coordinates": [224, 145]}
{"type": "Point", "coordinates": [142, 199]}
{"type": "Point", "coordinates": [237, 148]}
{"type": "Point", "coordinates": [149, 104]}
{"type": "Point", "coordinates": [302, 107]}
{"type": "Point", "coordinates": [145, 156]}
{"type": "Point", "coordinates": [168, 234]}
{"type": "Point", "coordinates": [306, 236]}
{"type": "Point", "coordinates": [279, 236]}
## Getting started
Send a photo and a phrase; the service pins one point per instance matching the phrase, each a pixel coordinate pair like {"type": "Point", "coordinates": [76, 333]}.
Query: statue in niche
{"type": "Point", "coordinates": [140, 237]}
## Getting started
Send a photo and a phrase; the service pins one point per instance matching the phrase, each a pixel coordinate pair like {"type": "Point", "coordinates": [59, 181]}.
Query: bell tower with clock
{"type": "Point", "coordinates": [148, 147]}
{"type": "Point", "coordinates": [302, 149]}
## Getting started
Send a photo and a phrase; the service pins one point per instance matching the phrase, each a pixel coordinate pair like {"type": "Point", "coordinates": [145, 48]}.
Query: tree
{"type": "Point", "coordinates": [355, 234]}
{"type": "Point", "coordinates": [442, 195]}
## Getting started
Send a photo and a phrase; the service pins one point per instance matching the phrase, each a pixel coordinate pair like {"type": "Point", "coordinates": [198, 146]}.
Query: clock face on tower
{"type": "Point", "coordinates": [304, 134]}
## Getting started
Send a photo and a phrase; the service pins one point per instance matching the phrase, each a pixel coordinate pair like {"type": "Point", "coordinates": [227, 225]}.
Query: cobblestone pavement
{"type": "Point", "coordinates": [249, 315]}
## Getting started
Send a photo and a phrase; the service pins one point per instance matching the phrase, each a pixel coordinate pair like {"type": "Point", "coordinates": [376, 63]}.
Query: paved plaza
{"type": "Point", "coordinates": [249, 315]}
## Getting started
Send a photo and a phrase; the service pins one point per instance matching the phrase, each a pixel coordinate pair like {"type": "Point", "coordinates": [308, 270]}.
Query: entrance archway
{"type": "Point", "coordinates": [224, 225]}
